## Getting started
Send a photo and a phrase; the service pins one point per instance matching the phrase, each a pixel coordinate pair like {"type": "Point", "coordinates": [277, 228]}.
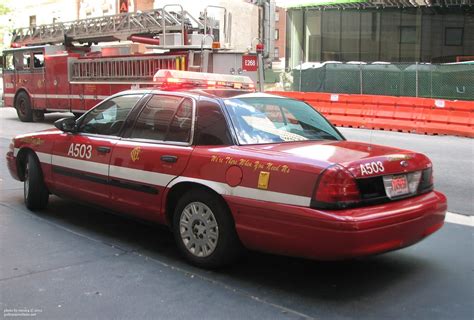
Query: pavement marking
{"type": "Point", "coordinates": [460, 219]}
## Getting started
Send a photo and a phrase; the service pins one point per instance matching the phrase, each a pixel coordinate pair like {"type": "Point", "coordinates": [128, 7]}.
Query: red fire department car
{"type": "Point", "coordinates": [230, 168]}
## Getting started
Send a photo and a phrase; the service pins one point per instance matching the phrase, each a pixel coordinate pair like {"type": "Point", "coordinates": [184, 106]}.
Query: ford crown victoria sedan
{"type": "Point", "coordinates": [228, 169]}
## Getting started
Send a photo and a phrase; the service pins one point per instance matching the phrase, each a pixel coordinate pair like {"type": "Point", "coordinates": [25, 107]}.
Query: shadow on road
{"type": "Point", "coordinates": [266, 274]}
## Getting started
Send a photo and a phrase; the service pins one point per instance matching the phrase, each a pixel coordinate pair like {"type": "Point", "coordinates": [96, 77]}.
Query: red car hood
{"type": "Point", "coordinates": [357, 157]}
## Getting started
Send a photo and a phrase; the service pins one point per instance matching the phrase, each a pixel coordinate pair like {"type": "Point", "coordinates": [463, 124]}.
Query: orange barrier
{"type": "Point", "coordinates": [404, 114]}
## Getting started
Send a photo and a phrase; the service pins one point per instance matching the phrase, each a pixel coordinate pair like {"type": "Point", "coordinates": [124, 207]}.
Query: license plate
{"type": "Point", "coordinates": [396, 185]}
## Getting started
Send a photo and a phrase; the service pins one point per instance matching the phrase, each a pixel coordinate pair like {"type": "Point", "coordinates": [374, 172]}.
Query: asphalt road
{"type": "Point", "coordinates": [73, 262]}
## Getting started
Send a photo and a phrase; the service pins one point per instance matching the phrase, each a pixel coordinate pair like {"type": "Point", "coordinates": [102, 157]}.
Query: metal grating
{"type": "Point", "coordinates": [394, 4]}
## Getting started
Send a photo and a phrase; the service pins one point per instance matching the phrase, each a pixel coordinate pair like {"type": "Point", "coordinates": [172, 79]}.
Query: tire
{"type": "Point", "coordinates": [38, 115]}
{"type": "Point", "coordinates": [23, 107]}
{"type": "Point", "coordinates": [35, 192]}
{"type": "Point", "coordinates": [204, 230]}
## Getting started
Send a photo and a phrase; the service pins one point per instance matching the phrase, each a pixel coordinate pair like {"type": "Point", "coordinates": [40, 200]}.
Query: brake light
{"type": "Point", "coordinates": [426, 182]}
{"type": "Point", "coordinates": [336, 189]}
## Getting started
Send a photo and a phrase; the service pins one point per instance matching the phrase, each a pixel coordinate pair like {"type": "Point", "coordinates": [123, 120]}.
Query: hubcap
{"type": "Point", "coordinates": [22, 107]}
{"type": "Point", "coordinates": [198, 229]}
{"type": "Point", "coordinates": [27, 180]}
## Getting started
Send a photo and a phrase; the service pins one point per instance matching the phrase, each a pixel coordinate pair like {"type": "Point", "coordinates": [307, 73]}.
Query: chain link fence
{"type": "Point", "coordinates": [446, 81]}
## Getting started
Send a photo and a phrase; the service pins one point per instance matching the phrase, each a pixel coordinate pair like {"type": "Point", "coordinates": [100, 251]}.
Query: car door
{"type": "Point", "coordinates": [81, 160]}
{"type": "Point", "coordinates": [152, 153]}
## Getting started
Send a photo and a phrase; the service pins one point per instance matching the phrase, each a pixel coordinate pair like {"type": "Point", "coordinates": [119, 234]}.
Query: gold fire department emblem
{"type": "Point", "coordinates": [135, 154]}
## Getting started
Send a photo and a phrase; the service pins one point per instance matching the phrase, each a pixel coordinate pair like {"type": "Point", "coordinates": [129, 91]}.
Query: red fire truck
{"type": "Point", "coordinates": [56, 67]}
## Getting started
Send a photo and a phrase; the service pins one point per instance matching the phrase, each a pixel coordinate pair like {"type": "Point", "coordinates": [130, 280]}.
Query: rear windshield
{"type": "Point", "coordinates": [262, 120]}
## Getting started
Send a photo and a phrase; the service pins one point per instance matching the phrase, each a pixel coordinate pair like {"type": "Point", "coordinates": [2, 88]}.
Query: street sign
{"type": "Point", "coordinates": [123, 8]}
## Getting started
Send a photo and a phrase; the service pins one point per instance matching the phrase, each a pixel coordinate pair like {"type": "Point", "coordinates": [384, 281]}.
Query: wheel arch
{"type": "Point", "coordinates": [17, 93]}
{"type": "Point", "coordinates": [179, 188]}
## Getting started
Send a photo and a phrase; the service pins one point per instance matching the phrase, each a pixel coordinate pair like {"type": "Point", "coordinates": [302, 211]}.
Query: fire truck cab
{"type": "Point", "coordinates": [26, 80]}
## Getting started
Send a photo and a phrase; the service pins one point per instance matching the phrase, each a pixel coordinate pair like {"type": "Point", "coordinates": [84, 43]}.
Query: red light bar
{"type": "Point", "coordinates": [188, 79]}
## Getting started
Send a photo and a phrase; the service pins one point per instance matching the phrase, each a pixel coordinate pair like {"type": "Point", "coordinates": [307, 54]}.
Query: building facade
{"type": "Point", "coordinates": [388, 31]}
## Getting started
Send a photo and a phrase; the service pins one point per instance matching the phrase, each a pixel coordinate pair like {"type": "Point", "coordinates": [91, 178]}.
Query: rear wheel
{"type": "Point", "coordinates": [204, 230]}
{"type": "Point", "coordinates": [23, 107]}
{"type": "Point", "coordinates": [38, 115]}
{"type": "Point", "coordinates": [35, 192]}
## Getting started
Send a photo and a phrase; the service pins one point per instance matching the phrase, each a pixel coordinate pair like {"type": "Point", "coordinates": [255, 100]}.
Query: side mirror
{"type": "Point", "coordinates": [66, 124]}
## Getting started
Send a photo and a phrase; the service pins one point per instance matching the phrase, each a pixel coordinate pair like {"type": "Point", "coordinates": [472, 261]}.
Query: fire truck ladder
{"type": "Point", "coordinates": [139, 69]}
{"type": "Point", "coordinates": [111, 28]}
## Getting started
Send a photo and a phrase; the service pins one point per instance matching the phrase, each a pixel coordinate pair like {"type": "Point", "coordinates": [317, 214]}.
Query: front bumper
{"type": "Point", "coordinates": [12, 165]}
{"type": "Point", "coordinates": [334, 235]}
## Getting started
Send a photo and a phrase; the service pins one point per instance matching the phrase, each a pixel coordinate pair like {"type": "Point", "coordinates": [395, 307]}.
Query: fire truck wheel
{"type": "Point", "coordinates": [35, 192]}
{"type": "Point", "coordinates": [204, 230]}
{"type": "Point", "coordinates": [38, 115]}
{"type": "Point", "coordinates": [23, 107]}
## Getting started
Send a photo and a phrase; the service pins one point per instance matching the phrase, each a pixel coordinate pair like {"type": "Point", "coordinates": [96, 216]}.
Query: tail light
{"type": "Point", "coordinates": [426, 182]}
{"type": "Point", "coordinates": [336, 189]}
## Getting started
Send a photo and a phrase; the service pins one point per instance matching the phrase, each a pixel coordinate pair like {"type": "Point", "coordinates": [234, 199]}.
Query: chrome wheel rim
{"type": "Point", "coordinates": [198, 229]}
{"type": "Point", "coordinates": [27, 180]}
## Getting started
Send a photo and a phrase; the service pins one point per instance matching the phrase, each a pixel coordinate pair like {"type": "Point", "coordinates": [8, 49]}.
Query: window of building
{"type": "Point", "coordinates": [32, 21]}
{"type": "Point", "coordinates": [453, 36]}
{"type": "Point", "coordinates": [277, 16]}
{"type": "Point", "coordinates": [277, 34]}
{"type": "Point", "coordinates": [408, 35]}
{"type": "Point", "coordinates": [277, 53]}
{"type": "Point", "coordinates": [165, 118]}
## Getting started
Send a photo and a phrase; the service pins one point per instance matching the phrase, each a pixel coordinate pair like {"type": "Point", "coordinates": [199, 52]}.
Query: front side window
{"type": "Point", "coordinates": [165, 118]}
{"type": "Point", "coordinates": [8, 62]}
{"type": "Point", "coordinates": [26, 60]}
{"type": "Point", "coordinates": [259, 120]}
{"type": "Point", "coordinates": [109, 116]}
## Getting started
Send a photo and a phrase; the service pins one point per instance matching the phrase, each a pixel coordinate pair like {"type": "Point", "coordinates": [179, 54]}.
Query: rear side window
{"type": "Point", "coordinates": [38, 60]}
{"type": "Point", "coordinates": [211, 125]}
{"type": "Point", "coordinates": [165, 118]}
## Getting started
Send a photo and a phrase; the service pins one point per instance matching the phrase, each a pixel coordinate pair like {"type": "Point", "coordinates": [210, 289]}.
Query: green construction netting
{"type": "Point", "coordinates": [448, 81]}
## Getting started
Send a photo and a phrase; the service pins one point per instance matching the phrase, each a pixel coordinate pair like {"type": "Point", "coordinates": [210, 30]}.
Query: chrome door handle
{"type": "Point", "coordinates": [103, 149]}
{"type": "Point", "coordinates": [169, 159]}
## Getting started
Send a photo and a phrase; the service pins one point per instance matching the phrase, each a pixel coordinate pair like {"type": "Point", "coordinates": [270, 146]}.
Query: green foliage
{"type": "Point", "coordinates": [4, 8]}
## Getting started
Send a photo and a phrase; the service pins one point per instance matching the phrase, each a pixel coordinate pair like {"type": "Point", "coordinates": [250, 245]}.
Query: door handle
{"type": "Point", "coordinates": [170, 159]}
{"type": "Point", "coordinates": [103, 149]}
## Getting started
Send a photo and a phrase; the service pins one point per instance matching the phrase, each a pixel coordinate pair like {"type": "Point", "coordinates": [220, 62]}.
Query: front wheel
{"type": "Point", "coordinates": [204, 230]}
{"type": "Point", "coordinates": [23, 107]}
{"type": "Point", "coordinates": [35, 192]}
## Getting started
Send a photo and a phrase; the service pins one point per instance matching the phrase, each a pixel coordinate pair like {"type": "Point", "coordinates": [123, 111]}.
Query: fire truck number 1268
{"type": "Point", "coordinates": [80, 150]}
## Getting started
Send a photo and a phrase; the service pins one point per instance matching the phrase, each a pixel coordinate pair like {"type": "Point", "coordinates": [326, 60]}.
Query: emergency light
{"type": "Point", "coordinates": [176, 79]}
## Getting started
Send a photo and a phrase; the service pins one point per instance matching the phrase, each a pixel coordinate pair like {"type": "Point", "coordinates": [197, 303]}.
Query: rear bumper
{"type": "Point", "coordinates": [333, 235]}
